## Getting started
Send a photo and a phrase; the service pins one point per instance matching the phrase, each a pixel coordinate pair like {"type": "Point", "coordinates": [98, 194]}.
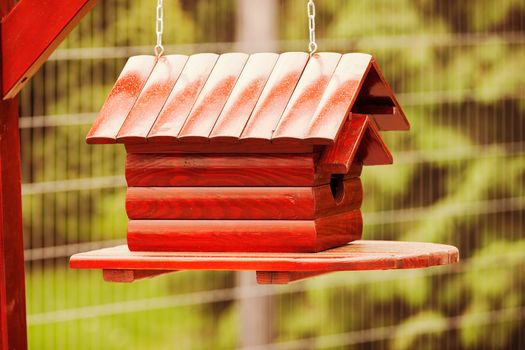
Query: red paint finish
{"type": "Point", "coordinates": [121, 99]}
{"type": "Point", "coordinates": [160, 148]}
{"type": "Point", "coordinates": [243, 98]}
{"type": "Point", "coordinates": [244, 235]}
{"type": "Point", "coordinates": [339, 95]}
{"type": "Point", "coordinates": [151, 99]}
{"type": "Point", "coordinates": [275, 96]}
{"type": "Point", "coordinates": [359, 139]}
{"type": "Point", "coordinates": [234, 203]}
{"type": "Point", "coordinates": [31, 32]}
{"type": "Point", "coordinates": [182, 98]}
{"type": "Point", "coordinates": [168, 170]}
{"type": "Point", "coordinates": [212, 98]}
{"type": "Point", "coordinates": [128, 276]}
{"type": "Point", "coordinates": [285, 277]}
{"type": "Point", "coordinates": [358, 255]}
{"type": "Point", "coordinates": [376, 94]}
{"type": "Point", "coordinates": [12, 287]}
{"type": "Point", "coordinates": [306, 97]}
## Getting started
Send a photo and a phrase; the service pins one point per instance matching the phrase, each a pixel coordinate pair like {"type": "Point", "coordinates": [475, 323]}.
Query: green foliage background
{"type": "Point", "coordinates": [458, 70]}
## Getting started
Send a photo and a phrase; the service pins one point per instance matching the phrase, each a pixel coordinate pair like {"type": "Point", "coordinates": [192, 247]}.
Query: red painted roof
{"type": "Point", "coordinates": [235, 96]}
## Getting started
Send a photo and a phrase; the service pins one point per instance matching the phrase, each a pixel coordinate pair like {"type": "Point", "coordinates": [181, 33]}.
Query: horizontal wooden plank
{"type": "Point", "coordinates": [235, 203]}
{"type": "Point", "coordinates": [241, 148]}
{"type": "Point", "coordinates": [31, 31]}
{"type": "Point", "coordinates": [146, 170]}
{"type": "Point", "coordinates": [128, 276]}
{"type": "Point", "coordinates": [285, 277]}
{"type": "Point", "coordinates": [358, 255]}
{"type": "Point", "coordinates": [244, 235]}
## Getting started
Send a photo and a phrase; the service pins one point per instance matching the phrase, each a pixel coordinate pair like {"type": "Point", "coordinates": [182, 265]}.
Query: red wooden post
{"type": "Point", "coordinates": [12, 287]}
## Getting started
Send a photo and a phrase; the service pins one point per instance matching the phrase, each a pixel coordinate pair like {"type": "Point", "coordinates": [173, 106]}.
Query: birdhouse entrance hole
{"type": "Point", "coordinates": [337, 187]}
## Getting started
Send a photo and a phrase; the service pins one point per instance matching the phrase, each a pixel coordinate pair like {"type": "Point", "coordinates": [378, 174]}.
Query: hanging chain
{"type": "Point", "coordinates": [312, 47]}
{"type": "Point", "coordinates": [159, 49]}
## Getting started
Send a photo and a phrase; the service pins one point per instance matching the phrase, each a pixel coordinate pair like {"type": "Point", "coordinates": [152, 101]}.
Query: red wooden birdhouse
{"type": "Point", "coordinates": [247, 153]}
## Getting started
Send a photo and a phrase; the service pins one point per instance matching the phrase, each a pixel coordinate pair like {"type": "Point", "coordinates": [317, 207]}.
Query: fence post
{"type": "Point", "coordinates": [257, 29]}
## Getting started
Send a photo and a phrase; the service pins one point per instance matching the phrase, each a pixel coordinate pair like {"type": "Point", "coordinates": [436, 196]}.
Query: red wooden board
{"type": "Point", "coordinates": [245, 235]}
{"type": "Point", "coordinates": [220, 170]}
{"type": "Point", "coordinates": [234, 203]}
{"type": "Point", "coordinates": [356, 256]}
{"type": "Point", "coordinates": [31, 31]}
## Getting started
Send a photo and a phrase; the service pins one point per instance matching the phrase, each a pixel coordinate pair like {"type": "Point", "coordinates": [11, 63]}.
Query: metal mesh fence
{"type": "Point", "coordinates": [457, 69]}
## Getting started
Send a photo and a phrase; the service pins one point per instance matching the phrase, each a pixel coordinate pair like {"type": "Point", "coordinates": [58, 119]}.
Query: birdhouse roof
{"type": "Point", "coordinates": [237, 98]}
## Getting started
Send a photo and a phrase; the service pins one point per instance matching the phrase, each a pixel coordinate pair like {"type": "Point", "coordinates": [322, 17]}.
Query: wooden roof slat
{"type": "Point", "coordinates": [275, 96]}
{"type": "Point", "coordinates": [244, 96]}
{"type": "Point", "coordinates": [152, 98]}
{"type": "Point", "coordinates": [213, 96]}
{"type": "Point", "coordinates": [306, 97]}
{"type": "Point", "coordinates": [337, 99]}
{"type": "Point", "coordinates": [121, 99]}
{"type": "Point", "coordinates": [182, 97]}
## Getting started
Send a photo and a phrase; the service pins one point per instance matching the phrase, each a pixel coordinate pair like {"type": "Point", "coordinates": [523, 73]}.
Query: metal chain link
{"type": "Point", "coordinates": [159, 49]}
{"type": "Point", "coordinates": [312, 47]}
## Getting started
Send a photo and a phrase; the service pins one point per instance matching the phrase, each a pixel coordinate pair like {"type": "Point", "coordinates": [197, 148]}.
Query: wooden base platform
{"type": "Point", "coordinates": [121, 265]}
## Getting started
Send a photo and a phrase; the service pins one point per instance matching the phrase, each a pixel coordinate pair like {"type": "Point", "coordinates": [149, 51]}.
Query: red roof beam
{"type": "Point", "coordinates": [26, 47]}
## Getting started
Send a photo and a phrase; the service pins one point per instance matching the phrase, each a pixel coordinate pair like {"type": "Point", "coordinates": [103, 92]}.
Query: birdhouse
{"type": "Point", "coordinates": [247, 153]}
{"type": "Point", "coordinates": [250, 162]}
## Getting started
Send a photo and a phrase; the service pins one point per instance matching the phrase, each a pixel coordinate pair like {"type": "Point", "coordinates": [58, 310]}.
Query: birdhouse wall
{"type": "Point", "coordinates": [245, 235]}
{"type": "Point", "coordinates": [234, 203]}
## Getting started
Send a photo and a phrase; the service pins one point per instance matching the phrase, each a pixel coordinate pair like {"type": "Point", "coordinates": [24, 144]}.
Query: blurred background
{"type": "Point", "coordinates": [458, 69]}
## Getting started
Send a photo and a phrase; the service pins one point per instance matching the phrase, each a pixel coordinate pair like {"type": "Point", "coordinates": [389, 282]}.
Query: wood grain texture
{"type": "Point", "coordinates": [213, 97]}
{"type": "Point", "coordinates": [151, 99]}
{"type": "Point", "coordinates": [121, 99]}
{"type": "Point", "coordinates": [339, 96]}
{"type": "Point", "coordinates": [285, 277]}
{"type": "Point", "coordinates": [31, 31]}
{"type": "Point", "coordinates": [146, 170]}
{"type": "Point", "coordinates": [128, 276]}
{"type": "Point", "coordinates": [242, 148]}
{"type": "Point", "coordinates": [356, 256]}
{"type": "Point", "coordinates": [275, 96]}
{"type": "Point", "coordinates": [244, 235]}
{"type": "Point", "coordinates": [235, 203]}
{"type": "Point", "coordinates": [182, 97]}
{"type": "Point", "coordinates": [306, 97]}
{"type": "Point", "coordinates": [243, 98]}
